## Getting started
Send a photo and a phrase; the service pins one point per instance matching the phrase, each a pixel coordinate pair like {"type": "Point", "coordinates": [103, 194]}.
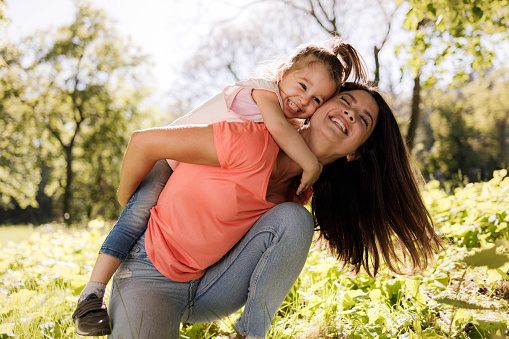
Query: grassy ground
{"type": "Point", "coordinates": [463, 295]}
{"type": "Point", "coordinates": [15, 233]}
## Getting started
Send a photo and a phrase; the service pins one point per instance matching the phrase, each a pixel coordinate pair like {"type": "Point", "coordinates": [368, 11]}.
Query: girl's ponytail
{"type": "Point", "coordinates": [341, 60]}
{"type": "Point", "coordinates": [351, 60]}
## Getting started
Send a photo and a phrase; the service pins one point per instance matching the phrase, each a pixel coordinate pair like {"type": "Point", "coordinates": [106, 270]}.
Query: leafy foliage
{"type": "Point", "coordinates": [463, 295]}
{"type": "Point", "coordinates": [468, 30]}
{"type": "Point", "coordinates": [467, 130]}
{"type": "Point", "coordinates": [69, 99]}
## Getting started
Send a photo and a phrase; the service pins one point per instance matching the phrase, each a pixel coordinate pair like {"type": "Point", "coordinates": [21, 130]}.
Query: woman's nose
{"type": "Point", "coordinates": [350, 116]}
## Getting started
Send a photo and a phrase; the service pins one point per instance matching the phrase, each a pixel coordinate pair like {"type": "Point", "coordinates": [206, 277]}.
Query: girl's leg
{"type": "Point", "coordinates": [133, 220]}
{"type": "Point", "coordinates": [131, 223]}
{"type": "Point", "coordinates": [258, 272]}
{"type": "Point", "coordinates": [144, 303]}
{"type": "Point", "coordinates": [90, 316]}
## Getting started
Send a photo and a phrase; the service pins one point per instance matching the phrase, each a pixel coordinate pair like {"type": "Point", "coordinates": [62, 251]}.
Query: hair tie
{"type": "Point", "coordinates": [335, 43]}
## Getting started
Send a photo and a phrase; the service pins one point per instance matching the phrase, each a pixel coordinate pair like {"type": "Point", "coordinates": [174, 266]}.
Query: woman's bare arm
{"type": "Point", "coordinates": [184, 144]}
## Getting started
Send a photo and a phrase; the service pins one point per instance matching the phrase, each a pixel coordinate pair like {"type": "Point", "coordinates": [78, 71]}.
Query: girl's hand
{"type": "Point", "coordinates": [309, 177]}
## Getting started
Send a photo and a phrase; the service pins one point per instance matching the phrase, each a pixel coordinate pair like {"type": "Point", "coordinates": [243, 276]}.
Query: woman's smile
{"type": "Point", "coordinates": [340, 122]}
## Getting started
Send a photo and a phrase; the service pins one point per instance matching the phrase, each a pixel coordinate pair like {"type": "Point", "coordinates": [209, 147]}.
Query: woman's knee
{"type": "Point", "coordinates": [291, 221]}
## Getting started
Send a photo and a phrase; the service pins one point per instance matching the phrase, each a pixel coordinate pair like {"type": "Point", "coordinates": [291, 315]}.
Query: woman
{"type": "Point", "coordinates": [354, 135]}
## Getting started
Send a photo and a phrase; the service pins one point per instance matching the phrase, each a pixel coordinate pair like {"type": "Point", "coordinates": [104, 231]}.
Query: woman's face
{"type": "Point", "coordinates": [342, 125]}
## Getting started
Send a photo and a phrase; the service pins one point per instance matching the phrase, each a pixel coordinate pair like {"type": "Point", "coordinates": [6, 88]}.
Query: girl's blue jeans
{"type": "Point", "coordinates": [133, 220]}
{"type": "Point", "coordinates": [258, 272]}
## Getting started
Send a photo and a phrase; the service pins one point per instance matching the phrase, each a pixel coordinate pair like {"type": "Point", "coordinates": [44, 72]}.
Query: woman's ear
{"type": "Point", "coordinates": [352, 157]}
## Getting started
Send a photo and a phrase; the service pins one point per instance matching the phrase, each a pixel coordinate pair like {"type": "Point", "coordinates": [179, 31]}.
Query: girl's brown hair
{"type": "Point", "coordinates": [371, 208]}
{"type": "Point", "coordinates": [341, 60]}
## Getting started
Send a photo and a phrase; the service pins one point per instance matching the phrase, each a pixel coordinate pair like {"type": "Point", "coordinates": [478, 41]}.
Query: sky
{"type": "Point", "coordinates": [168, 31]}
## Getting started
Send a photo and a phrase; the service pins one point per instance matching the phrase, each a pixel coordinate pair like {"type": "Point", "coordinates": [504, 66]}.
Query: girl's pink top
{"type": "Point", "coordinates": [234, 104]}
{"type": "Point", "coordinates": [203, 211]}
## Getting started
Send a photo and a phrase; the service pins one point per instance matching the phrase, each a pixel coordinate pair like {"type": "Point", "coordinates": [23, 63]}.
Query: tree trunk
{"type": "Point", "coordinates": [502, 152]}
{"type": "Point", "coordinates": [377, 66]}
{"type": "Point", "coordinates": [416, 110]}
{"type": "Point", "coordinates": [67, 203]}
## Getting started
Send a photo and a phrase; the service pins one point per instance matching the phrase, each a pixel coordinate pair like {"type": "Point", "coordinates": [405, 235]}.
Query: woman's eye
{"type": "Point", "coordinates": [317, 101]}
{"type": "Point", "coordinates": [303, 86]}
{"type": "Point", "coordinates": [346, 101]}
{"type": "Point", "coordinates": [365, 121]}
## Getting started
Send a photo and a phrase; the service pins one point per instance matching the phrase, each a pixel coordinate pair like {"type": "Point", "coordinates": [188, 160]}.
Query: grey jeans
{"type": "Point", "coordinates": [258, 272]}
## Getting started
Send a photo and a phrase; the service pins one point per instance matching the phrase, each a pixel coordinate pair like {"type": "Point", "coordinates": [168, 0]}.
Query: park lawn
{"type": "Point", "coordinates": [464, 294]}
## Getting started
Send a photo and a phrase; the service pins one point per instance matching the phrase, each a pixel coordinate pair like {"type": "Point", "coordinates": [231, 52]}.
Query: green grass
{"type": "Point", "coordinates": [463, 295]}
{"type": "Point", "coordinates": [15, 233]}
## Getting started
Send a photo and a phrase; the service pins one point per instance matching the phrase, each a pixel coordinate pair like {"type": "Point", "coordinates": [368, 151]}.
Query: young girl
{"type": "Point", "coordinates": [310, 77]}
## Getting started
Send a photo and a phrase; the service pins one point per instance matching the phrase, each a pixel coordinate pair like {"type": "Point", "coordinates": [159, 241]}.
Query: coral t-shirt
{"type": "Point", "coordinates": [203, 211]}
{"type": "Point", "coordinates": [234, 104]}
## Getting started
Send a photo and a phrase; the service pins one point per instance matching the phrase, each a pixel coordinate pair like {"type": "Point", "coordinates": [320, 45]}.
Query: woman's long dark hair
{"type": "Point", "coordinates": [371, 208]}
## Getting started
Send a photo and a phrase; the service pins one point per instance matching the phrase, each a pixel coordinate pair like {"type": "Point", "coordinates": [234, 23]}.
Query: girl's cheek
{"type": "Point", "coordinates": [313, 109]}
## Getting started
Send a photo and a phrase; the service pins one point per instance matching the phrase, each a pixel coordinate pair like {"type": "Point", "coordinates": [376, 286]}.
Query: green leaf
{"type": "Point", "coordinates": [317, 286]}
{"type": "Point", "coordinates": [461, 304]}
{"type": "Point", "coordinates": [477, 12]}
{"type": "Point", "coordinates": [487, 257]}
{"type": "Point", "coordinates": [503, 274]}
{"type": "Point", "coordinates": [6, 328]}
{"type": "Point", "coordinates": [431, 10]}
{"type": "Point", "coordinates": [375, 294]}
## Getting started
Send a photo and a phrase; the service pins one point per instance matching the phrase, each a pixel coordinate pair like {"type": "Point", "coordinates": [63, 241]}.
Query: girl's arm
{"type": "Point", "coordinates": [185, 144]}
{"type": "Point", "coordinates": [287, 137]}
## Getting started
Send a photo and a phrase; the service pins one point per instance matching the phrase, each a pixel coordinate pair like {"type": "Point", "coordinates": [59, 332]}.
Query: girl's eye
{"type": "Point", "coordinates": [303, 86]}
{"type": "Point", "coordinates": [317, 100]}
{"type": "Point", "coordinates": [346, 101]}
{"type": "Point", "coordinates": [365, 121]}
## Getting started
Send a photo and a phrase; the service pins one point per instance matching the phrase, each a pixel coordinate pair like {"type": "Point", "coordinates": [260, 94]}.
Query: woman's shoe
{"type": "Point", "coordinates": [91, 317]}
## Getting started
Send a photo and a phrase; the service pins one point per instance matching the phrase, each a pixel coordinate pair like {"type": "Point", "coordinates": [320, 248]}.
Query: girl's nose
{"type": "Point", "coordinates": [304, 100]}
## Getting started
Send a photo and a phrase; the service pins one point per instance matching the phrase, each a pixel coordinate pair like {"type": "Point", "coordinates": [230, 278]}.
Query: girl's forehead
{"type": "Point", "coordinates": [309, 69]}
{"type": "Point", "coordinates": [310, 66]}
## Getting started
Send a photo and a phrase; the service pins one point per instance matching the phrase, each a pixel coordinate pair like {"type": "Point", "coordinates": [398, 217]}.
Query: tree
{"type": "Point", "coordinates": [487, 99]}
{"type": "Point", "coordinates": [82, 93]}
{"type": "Point", "coordinates": [234, 48]}
{"type": "Point", "coordinates": [18, 150]}
{"type": "Point", "coordinates": [469, 129]}
{"type": "Point", "coordinates": [453, 149]}
{"type": "Point", "coordinates": [330, 16]}
{"type": "Point", "coordinates": [466, 30]}
{"type": "Point", "coordinates": [3, 4]}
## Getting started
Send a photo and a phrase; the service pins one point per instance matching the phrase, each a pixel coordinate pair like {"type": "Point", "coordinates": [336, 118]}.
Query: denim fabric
{"type": "Point", "coordinates": [133, 220]}
{"type": "Point", "coordinates": [257, 272]}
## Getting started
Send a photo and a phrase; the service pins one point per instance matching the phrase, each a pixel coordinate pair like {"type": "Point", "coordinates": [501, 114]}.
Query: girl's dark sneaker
{"type": "Point", "coordinates": [91, 317]}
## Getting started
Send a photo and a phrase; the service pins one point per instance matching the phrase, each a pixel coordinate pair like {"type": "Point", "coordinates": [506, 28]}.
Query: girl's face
{"type": "Point", "coordinates": [342, 125]}
{"type": "Point", "coordinates": [305, 89]}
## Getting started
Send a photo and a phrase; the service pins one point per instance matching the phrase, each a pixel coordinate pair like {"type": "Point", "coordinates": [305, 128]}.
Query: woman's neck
{"type": "Point", "coordinates": [281, 185]}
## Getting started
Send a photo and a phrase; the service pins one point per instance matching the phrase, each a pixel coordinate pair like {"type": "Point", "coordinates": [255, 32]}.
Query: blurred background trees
{"type": "Point", "coordinates": [70, 97]}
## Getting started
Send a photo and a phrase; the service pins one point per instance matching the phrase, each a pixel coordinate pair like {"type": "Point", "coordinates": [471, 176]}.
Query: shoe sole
{"type": "Point", "coordinates": [95, 333]}
{"type": "Point", "coordinates": [92, 334]}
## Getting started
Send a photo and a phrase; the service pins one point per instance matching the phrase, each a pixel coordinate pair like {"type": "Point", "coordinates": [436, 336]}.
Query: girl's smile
{"type": "Point", "coordinates": [305, 89]}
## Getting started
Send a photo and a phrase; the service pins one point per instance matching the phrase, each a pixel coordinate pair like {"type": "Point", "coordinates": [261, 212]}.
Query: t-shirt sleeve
{"type": "Point", "coordinates": [242, 145]}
